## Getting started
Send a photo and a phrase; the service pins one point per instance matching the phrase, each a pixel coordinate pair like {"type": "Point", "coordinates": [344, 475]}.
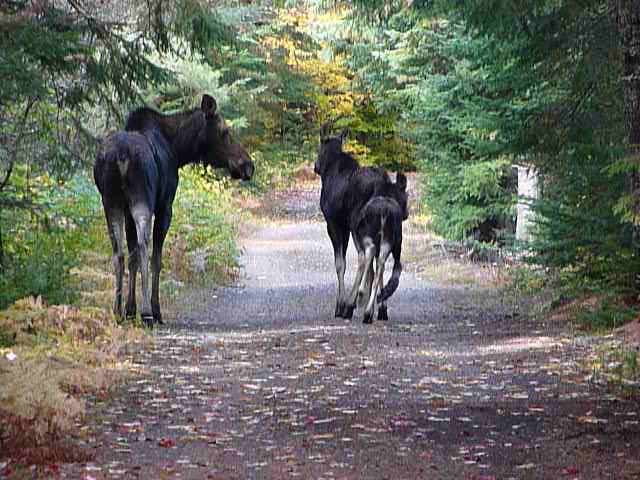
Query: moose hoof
{"type": "Point", "coordinates": [339, 310]}
{"type": "Point", "coordinates": [368, 318]}
{"type": "Point", "coordinates": [347, 312]}
{"type": "Point", "coordinates": [157, 318]}
{"type": "Point", "coordinates": [382, 313]}
{"type": "Point", "coordinates": [117, 311]}
{"type": "Point", "coordinates": [130, 311]}
{"type": "Point", "coordinates": [147, 320]}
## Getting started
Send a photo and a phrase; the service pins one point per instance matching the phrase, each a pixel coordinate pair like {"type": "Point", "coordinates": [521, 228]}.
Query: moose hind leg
{"type": "Point", "coordinates": [115, 224]}
{"type": "Point", "coordinates": [142, 217]}
{"type": "Point", "coordinates": [364, 287]}
{"type": "Point", "coordinates": [160, 229]}
{"type": "Point", "coordinates": [392, 284]}
{"type": "Point", "coordinates": [364, 290]}
{"type": "Point", "coordinates": [132, 245]}
{"type": "Point", "coordinates": [377, 281]}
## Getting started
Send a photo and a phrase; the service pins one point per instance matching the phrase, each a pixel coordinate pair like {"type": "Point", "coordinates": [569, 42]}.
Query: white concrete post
{"type": "Point", "coordinates": [527, 191]}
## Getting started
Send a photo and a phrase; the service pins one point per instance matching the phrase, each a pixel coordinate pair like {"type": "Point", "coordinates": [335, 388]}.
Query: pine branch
{"type": "Point", "coordinates": [14, 154]}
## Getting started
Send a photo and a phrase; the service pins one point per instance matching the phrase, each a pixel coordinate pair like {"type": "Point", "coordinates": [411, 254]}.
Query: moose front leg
{"type": "Point", "coordinates": [340, 241]}
{"type": "Point", "coordinates": [160, 229]}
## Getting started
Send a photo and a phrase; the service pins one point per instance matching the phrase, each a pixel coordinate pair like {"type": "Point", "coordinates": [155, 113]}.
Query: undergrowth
{"type": "Point", "coordinates": [615, 364]}
{"type": "Point", "coordinates": [201, 245]}
{"type": "Point", "coordinates": [610, 313]}
{"type": "Point", "coordinates": [56, 355]}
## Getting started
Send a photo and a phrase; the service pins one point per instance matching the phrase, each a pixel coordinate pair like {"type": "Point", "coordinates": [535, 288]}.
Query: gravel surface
{"type": "Point", "coordinates": [259, 381]}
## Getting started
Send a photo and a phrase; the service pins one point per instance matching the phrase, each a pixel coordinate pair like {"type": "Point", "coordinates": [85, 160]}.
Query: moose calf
{"type": "Point", "coordinates": [377, 233]}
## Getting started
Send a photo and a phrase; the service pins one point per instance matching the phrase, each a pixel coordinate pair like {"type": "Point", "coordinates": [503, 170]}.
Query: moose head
{"type": "Point", "coordinates": [329, 150]}
{"type": "Point", "coordinates": [219, 148]}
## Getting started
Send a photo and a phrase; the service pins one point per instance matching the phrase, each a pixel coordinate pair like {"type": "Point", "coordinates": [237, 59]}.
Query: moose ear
{"type": "Point", "coordinates": [324, 131]}
{"type": "Point", "coordinates": [208, 105]}
{"type": "Point", "coordinates": [401, 181]}
{"type": "Point", "coordinates": [343, 135]}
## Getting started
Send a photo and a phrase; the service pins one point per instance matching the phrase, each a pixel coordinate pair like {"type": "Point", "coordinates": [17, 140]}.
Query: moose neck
{"type": "Point", "coordinates": [182, 131]}
{"type": "Point", "coordinates": [345, 165]}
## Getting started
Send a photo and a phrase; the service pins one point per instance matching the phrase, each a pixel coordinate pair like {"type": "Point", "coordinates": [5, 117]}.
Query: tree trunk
{"type": "Point", "coordinates": [627, 14]}
{"type": "Point", "coordinates": [1, 250]}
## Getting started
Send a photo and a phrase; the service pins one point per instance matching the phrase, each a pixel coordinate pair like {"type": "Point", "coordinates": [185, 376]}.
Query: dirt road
{"type": "Point", "coordinates": [259, 381]}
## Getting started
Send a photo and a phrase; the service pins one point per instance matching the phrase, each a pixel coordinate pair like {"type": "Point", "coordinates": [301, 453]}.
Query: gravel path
{"type": "Point", "coordinates": [259, 381]}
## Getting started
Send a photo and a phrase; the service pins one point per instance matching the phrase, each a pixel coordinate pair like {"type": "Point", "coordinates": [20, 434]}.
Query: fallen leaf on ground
{"type": "Point", "coordinates": [167, 443]}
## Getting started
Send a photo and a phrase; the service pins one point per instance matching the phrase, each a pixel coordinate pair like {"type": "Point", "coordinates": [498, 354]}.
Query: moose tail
{"type": "Point", "coordinates": [119, 152]}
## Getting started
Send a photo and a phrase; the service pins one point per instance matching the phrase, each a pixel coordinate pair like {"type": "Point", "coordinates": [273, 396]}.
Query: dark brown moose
{"type": "Point", "coordinates": [136, 172]}
{"type": "Point", "coordinates": [346, 189]}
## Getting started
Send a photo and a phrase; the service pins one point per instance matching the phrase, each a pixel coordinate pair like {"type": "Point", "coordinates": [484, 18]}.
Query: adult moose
{"type": "Point", "coordinates": [377, 233]}
{"type": "Point", "coordinates": [346, 188]}
{"type": "Point", "coordinates": [136, 172]}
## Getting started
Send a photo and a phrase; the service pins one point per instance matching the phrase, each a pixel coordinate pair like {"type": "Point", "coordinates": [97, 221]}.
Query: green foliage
{"type": "Point", "coordinates": [43, 244]}
{"type": "Point", "coordinates": [34, 271]}
{"type": "Point", "coordinates": [7, 337]}
{"type": "Point", "coordinates": [201, 242]}
{"type": "Point", "coordinates": [630, 365]}
{"type": "Point", "coordinates": [610, 314]}
{"type": "Point", "coordinates": [461, 152]}
{"type": "Point", "coordinates": [580, 231]}
{"type": "Point", "coordinates": [485, 84]}
{"type": "Point", "coordinates": [377, 139]}
{"type": "Point", "coordinates": [430, 78]}
{"type": "Point", "coordinates": [202, 28]}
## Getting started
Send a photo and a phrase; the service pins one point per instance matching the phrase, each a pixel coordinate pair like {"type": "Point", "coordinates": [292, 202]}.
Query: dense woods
{"type": "Point", "coordinates": [460, 93]}
{"type": "Point", "coordinates": [547, 85]}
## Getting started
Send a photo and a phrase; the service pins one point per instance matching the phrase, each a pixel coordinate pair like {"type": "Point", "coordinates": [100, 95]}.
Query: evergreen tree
{"type": "Point", "coordinates": [627, 16]}
{"type": "Point", "coordinates": [540, 83]}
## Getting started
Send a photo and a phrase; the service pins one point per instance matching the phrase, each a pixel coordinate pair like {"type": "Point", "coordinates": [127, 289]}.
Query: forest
{"type": "Point", "coordinates": [458, 92]}
{"type": "Point", "coordinates": [450, 92]}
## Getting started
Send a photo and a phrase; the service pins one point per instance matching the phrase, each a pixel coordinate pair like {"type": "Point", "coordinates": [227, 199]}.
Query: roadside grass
{"type": "Point", "coordinates": [607, 314]}
{"type": "Point", "coordinates": [201, 244]}
{"type": "Point", "coordinates": [614, 363]}
{"type": "Point", "coordinates": [56, 355]}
